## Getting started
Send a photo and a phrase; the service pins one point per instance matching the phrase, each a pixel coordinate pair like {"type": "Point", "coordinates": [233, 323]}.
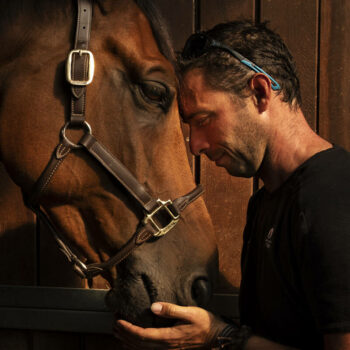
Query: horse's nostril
{"type": "Point", "coordinates": [201, 291]}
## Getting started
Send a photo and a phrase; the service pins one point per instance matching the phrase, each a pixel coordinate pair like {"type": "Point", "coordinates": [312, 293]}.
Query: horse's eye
{"type": "Point", "coordinates": [155, 92]}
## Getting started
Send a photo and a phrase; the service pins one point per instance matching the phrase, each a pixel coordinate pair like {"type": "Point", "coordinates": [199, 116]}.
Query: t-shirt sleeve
{"type": "Point", "coordinates": [325, 254]}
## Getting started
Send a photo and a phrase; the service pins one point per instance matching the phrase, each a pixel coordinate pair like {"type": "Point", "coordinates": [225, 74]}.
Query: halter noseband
{"type": "Point", "coordinates": [160, 216]}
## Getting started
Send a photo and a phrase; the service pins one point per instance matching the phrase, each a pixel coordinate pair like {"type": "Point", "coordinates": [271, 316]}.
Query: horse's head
{"type": "Point", "coordinates": [131, 107]}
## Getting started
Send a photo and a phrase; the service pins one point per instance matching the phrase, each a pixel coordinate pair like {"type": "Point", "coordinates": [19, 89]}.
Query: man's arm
{"type": "Point", "coordinates": [259, 343]}
{"type": "Point", "coordinates": [336, 341]}
{"type": "Point", "coordinates": [196, 329]}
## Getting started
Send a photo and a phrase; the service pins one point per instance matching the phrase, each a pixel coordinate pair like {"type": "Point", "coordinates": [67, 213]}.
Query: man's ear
{"type": "Point", "coordinates": [260, 86]}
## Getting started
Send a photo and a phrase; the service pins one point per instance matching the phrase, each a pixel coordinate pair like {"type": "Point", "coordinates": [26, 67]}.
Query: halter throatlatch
{"type": "Point", "coordinates": [160, 216]}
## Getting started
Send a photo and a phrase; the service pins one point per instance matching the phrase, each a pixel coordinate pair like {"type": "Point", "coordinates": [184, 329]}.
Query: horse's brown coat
{"type": "Point", "coordinates": [93, 213]}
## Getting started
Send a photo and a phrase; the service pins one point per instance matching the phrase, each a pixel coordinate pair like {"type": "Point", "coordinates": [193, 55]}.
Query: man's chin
{"type": "Point", "coordinates": [236, 169]}
{"type": "Point", "coordinates": [239, 172]}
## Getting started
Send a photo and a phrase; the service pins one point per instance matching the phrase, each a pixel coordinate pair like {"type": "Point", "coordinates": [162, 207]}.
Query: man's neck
{"type": "Point", "coordinates": [291, 144]}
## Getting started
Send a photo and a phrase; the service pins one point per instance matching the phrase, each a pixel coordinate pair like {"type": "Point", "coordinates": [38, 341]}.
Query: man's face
{"type": "Point", "coordinates": [229, 130]}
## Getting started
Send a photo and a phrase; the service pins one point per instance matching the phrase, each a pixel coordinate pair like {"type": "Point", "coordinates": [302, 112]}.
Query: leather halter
{"type": "Point", "coordinates": [160, 216]}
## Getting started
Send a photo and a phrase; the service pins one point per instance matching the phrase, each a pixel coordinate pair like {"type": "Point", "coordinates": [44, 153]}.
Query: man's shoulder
{"type": "Point", "coordinates": [324, 188]}
{"type": "Point", "coordinates": [322, 181]}
{"type": "Point", "coordinates": [325, 173]}
{"type": "Point", "coordinates": [335, 160]}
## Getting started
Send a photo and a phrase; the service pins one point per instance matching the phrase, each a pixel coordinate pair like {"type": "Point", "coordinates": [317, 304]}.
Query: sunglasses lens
{"type": "Point", "coordinates": [195, 46]}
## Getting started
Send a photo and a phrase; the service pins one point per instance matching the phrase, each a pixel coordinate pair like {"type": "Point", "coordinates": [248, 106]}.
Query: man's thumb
{"type": "Point", "coordinates": [157, 308]}
{"type": "Point", "coordinates": [170, 310]}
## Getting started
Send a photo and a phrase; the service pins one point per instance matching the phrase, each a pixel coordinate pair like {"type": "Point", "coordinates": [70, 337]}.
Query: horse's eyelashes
{"type": "Point", "coordinates": [155, 93]}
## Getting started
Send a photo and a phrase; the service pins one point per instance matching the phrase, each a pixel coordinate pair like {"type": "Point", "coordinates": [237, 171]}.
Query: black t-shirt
{"type": "Point", "coordinates": [296, 255]}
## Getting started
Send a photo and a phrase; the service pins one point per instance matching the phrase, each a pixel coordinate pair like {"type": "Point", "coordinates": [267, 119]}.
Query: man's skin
{"type": "Point", "coordinates": [259, 135]}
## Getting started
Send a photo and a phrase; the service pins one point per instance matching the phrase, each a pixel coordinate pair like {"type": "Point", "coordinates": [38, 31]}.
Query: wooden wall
{"type": "Point", "coordinates": [316, 32]}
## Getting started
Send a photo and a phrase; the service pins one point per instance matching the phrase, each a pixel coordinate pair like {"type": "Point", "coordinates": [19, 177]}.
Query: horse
{"type": "Point", "coordinates": [115, 88]}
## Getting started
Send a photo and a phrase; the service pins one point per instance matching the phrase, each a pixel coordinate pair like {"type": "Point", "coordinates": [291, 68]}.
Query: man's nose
{"type": "Point", "coordinates": [198, 142]}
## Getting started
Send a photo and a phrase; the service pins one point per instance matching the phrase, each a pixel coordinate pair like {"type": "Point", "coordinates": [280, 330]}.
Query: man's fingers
{"type": "Point", "coordinates": [140, 333]}
{"type": "Point", "coordinates": [172, 311]}
{"type": "Point", "coordinates": [135, 337]}
{"type": "Point", "coordinates": [130, 342]}
{"type": "Point", "coordinates": [173, 337]}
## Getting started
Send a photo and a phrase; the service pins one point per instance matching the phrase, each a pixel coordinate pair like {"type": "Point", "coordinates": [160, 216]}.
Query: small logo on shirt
{"type": "Point", "coordinates": [268, 238]}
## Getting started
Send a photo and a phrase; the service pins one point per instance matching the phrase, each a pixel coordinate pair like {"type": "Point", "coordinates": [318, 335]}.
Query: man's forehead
{"type": "Point", "coordinates": [192, 94]}
{"type": "Point", "coordinates": [193, 78]}
{"type": "Point", "coordinates": [192, 86]}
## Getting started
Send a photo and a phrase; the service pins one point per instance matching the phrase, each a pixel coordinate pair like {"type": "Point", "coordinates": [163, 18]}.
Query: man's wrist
{"type": "Point", "coordinates": [232, 338]}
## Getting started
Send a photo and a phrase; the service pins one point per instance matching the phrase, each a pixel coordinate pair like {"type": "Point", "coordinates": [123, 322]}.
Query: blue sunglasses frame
{"type": "Point", "coordinates": [198, 44]}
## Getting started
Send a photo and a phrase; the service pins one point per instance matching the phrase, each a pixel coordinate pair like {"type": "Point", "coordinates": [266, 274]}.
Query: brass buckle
{"type": "Point", "coordinates": [161, 231]}
{"type": "Point", "coordinates": [91, 68]}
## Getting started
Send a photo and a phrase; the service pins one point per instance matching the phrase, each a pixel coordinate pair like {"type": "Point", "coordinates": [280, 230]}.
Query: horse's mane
{"type": "Point", "coordinates": [159, 28]}
{"type": "Point", "coordinates": [46, 10]}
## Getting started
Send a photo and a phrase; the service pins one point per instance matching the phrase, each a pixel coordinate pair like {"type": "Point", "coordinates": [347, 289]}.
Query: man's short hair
{"type": "Point", "coordinates": [260, 45]}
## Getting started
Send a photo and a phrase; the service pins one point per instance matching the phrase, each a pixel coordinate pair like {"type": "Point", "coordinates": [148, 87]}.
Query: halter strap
{"type": "Point", "coordinates": [160, 216]}
{"type": "Point", "coordinates": [145, 231]}
{"type": "Point", "coordinates": [80, 63]}
{"type": "Point", "coordinates": [119, 171]}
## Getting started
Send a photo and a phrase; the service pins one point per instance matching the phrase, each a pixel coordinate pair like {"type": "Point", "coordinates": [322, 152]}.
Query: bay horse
{"type": "Point", "coordinates": [63, 141]}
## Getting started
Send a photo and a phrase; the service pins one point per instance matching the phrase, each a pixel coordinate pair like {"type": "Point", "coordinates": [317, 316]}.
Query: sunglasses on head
{"type": "Point", "coordinates": [198, 44]}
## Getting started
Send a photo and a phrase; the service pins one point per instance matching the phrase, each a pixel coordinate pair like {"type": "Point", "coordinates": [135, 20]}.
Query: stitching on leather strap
{"type": "Point", "coordinates": [50, 175]}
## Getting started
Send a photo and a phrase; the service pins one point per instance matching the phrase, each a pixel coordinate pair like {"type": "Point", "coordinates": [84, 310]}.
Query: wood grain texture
{"type": "Point", "coordinates": [179, 17]}
{"type": "Point", "coordinates": [97, 342]}
{"type": "Point", "coordinates": [17, 235]}
{"type": "Point", "coordinates": [56, 341]}
{"type": "Point", "coordinates": [226, 197]}
{"type": "Point", "coordinates": [55, 269]}
{"type": "Point", "coordinates": [297, 23]}
{"type": "Point", "coordinates": [214, 12]}
{"type": "Point", "coordinates": [15, 340]}
{"type": "Point", "coordinates": [334, 107]}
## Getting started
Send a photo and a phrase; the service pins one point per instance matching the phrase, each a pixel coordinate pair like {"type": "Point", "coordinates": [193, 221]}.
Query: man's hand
{"type": "Point", "coordinates": [196, 329]}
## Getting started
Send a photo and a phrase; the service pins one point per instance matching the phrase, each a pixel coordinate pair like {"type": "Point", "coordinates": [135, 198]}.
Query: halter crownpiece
{"type": "Point", "coordinates": [160, 216]}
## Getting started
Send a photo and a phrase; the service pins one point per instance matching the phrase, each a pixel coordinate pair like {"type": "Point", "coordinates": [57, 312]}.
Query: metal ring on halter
{"type": "Point", "coordinates": [85, 125]}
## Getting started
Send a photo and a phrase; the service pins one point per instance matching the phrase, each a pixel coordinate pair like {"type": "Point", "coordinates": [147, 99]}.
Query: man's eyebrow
{"type": "Point", "coordinates": [192, 115]}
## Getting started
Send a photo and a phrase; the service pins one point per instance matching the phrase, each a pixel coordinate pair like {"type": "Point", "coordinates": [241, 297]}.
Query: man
{"type": "Point", "coordinates": [239, 93]}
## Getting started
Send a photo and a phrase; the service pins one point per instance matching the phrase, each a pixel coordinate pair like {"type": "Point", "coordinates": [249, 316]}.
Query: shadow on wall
{"type": "Point", "coordinates": [24, 261]}
{"type": "Point", "coordinates": [18, 255]}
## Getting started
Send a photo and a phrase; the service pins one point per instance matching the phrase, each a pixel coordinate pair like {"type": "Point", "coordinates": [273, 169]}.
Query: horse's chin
{"type": "Point", "coordinates": [147, 320]}
{"type": "Point", "coordinates": [131, 300]}
{"type": "Point", "coordinates": [134, 310]}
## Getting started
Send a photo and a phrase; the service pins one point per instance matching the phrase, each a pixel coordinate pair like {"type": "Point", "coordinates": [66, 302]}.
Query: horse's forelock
{"type": "Point", "coordinates": [158, 25]}
{"type": "Point", "coordinates": [159, 28]}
